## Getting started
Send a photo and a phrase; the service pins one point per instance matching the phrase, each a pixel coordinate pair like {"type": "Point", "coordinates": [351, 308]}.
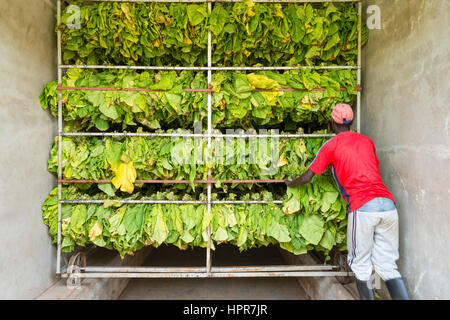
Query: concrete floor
{"type": "Point", "coordinates": [221, 289]}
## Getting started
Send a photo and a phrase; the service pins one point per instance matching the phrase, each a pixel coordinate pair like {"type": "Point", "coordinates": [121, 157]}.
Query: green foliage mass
{"type": "Point", "coordinates": [235, 99]}
{"type": "Point", "coordinates": [136, 33]}
{"type": "Point", "coordinates": [243, 33]}
{"type": "Point", "coordinates": [169, 158]}
{"type": "Point", "coordinates": [312, 217]}
{"type": "Point", "coordinates": [128, 228]}
{"type": "Point", "coordinates": [248, 33]}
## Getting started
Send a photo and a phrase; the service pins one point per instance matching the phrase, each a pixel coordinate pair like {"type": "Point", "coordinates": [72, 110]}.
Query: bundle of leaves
{"type": "Point", "coordinates": [130, 227]}
{"type": "Point", "coordinates": [237, 99]}
{"type": "Point", "coordinates": [135, 33]}
{"type": "Point", "coordinates": [243, 33]}
{"type": "Point", "coordinates": [246, 33]}
{"type": "Point", "coordinates": [253, 100]}
{"type": "Point", "coordinates": [169, 105]}
{"type": "Point", "coordinates": [127, 159]}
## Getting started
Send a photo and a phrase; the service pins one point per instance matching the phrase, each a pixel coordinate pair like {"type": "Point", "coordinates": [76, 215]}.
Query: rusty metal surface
{"type": "Point", "coordinates": [197, 135]}
{"type": "Point", "coordinates": [209, 90]}
{"type": "Point", "coordinates": [295, 274]}
{"type": "Point", "coordinates": [101, 201]}
{"type": "Point", "coordinates": [174, 181]}
{"type": "Point", "coordinates": [67, 66]}
{"type": "Point", "coordinates": [279, 268]}
{"type": "Point", "coordinates": [212, 1]}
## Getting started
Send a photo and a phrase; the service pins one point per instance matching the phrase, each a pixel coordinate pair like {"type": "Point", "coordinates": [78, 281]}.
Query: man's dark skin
{"type": "Point", "coordinates": [308, 175]}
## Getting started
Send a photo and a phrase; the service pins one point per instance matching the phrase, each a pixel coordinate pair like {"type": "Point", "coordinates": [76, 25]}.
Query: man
{"type": "Point", "coordinates": [372, 234]}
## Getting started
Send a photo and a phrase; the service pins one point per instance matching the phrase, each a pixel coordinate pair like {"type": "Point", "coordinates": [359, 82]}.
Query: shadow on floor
{"type": "Point", "coordinates": [218, 288]}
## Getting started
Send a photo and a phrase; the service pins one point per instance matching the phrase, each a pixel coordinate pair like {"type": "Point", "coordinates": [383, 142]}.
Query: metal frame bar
{"type": "Point", "coordinates": [358, 94]}
{"type": "Point", "coordinates": [213, 269]}
{"type": "Point", "coordinates": [60, 130]}
{"type": "Point", "coordinates": [210, 1]}
{"type": "Point", "coordinates": [232, 274]}
{"type": "Point", "coordinates": [177, 68]}
{"type": "Point", "coordinates": [208, 271]}
{"type": "Point", "coordinates": [208, 191]}
{"type": "Point", "coordinates": [195, 135]}
{"type": "Point", "coordinates": [176, 181]}
{"type": "Point", "coordinates": [102, 201]}
{"type": "Point", "coordinates": [191, 89]}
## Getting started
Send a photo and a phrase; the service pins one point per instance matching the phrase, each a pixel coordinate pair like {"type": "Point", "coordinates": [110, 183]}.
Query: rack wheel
{"type": "Point", "coordinates": [74, 269]}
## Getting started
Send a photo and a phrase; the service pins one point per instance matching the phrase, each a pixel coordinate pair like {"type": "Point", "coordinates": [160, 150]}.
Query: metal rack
{"type": "Point", "coordinates": [77, 265]}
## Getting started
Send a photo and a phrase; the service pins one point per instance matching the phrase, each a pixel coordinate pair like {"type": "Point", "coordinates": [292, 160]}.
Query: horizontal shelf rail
{"type": "Point", "coordinates": [231, 274]}
{"type": "Point", "coordinates": [271, 268]}
{"type": "Point", "coordinates": [244, 68]}
{"type": "Point", "coordinates": [60, 88]}
{"type": "Point", "coordinates": [127, 89]}
{"type": "Point", "coordinates": [102, 201]}
{"type": "Point", "coordinates": [212, 1]}
{"type": "Point", "coordinates": [246, 201]}
{"type": "Point", "coordinates": [134, 201]}
{"type": "Point", "coordinates": [194, 135]}
{"type": "Point", "coordinates": [175, 181]}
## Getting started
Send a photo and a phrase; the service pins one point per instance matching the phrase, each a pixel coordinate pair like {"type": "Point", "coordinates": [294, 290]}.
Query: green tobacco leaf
{"type": "Point", "coordinates": [312, 228]}
{"type": "Point", "coordinates": [292, 205]}
{"type": "Point", "coordinates": [196, 14]}
{"type": "Point", "coordinates": [220, 234]}
{"type": "Point", "coordinates": [279, 232]}
{"type": "Point", "coordinates": [328, 199]}
{"type": "Point", "coordinates": [101, 124]}
{"type": "Point", "coordinates": [107, 188]}
{"type": "Point", "coordinates": [160, 233]}
{"type": "Point", "coordinates": [328, 240]}
{"type": "Point", "coordinates": [109, 110]}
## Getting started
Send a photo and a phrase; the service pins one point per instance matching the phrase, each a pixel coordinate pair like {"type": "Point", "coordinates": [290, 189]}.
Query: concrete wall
{"type": "Point", "coordinates": [27, 62]}
{"type": "Point", "coordinates": [406, 111]}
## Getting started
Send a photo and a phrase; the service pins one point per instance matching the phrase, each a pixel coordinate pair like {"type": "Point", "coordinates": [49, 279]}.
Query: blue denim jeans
{"type": "Point", "coordinates": [378, 205]}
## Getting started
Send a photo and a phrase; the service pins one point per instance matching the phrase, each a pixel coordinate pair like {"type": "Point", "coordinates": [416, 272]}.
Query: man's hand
{"type": "Point", "coordinates": [292, 182]}
{"type": "Point", "coordinates": [304, 178]}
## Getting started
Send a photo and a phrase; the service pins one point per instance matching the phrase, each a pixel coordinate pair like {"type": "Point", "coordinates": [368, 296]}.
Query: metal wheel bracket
{"type": "Point", "coordinates": [76, 263]}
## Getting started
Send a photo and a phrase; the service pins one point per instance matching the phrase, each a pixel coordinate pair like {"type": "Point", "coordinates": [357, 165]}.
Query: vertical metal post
{"type": "Point", "coordinates": [208, 248]}
{"type": "Point", "coordinates": [358, 94]}
{"type": "Point", "coordinates": [60, 129]}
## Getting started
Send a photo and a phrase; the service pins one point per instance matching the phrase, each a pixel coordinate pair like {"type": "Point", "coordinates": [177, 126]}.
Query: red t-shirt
{"type": "Point", "coordinates": [354, 164]}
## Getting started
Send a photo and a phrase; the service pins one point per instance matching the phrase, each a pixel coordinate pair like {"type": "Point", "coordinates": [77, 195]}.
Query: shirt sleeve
{"type": "Point", "coordinates": [323, 158]}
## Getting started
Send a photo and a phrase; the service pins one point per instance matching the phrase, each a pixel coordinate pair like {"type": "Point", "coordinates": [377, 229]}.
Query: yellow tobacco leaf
{"type": "Point", "coordinates": [157, 43]}
{"type": "Point", "coordinates": [250, 10]}
{"type": "Point", "coordinates": [301, 148]}
{"type": "Point", "coordinates": [287, 39]}
{"type": "Point", "coordinates": [186, 39]}
{"type": "Point", "coordinates": [262, 82]}
{"type": "Point", "coordinates": [306, 100]}
{"type": "Point", "coordinates": [65, 223]}
{"type": "Point", "coordinates": [126, 11]}
{"type": "Point", "coordinates": [282, 161]}
{"type": "Point", "coordinates": [306, 106]}
{"type": "Point", "coordinates": [271, 96]}
{"type": "Point", "coordinates": [95, 231]}
{"type": "Point", "coordinates": [125, 177]}
{"type": "Point", "coordinates": [279, 11]}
